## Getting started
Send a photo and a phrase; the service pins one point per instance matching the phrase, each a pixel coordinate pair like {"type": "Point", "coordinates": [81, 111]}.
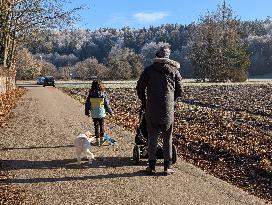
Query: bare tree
{"type": "Point", "coordinates": [29, 68]}
{"type": "Point", "coordinates": [22, 19]}
{"type": "Point", "coordinates": [124, 64]}
{"type": "Point", "coordinates": [87, 69]}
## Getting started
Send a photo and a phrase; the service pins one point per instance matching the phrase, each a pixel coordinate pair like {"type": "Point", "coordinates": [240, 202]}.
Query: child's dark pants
{"type": "Point", "coordinates": [99, 127]}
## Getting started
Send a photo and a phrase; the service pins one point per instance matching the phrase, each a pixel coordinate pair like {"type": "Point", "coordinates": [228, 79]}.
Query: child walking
{"type": "Point", "coordinates": [98, 103]}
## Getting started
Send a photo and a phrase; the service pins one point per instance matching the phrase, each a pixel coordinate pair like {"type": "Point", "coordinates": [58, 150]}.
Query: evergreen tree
{"type": "Point", "coordinates": [216, 48]}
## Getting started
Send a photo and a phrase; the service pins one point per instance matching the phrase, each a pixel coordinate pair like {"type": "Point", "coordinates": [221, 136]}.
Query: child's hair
{"type": "Point", "coordinates": [97, 85]}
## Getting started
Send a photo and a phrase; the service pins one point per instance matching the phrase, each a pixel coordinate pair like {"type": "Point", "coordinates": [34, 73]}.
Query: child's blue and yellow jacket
{"type": "Point", "coordinates": [97, 102]}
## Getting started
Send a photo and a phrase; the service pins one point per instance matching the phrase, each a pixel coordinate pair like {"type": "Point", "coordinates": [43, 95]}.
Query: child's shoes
{"type": "Point", "coordinates": [98, 142]}
{"type": "Point", "coordinates": [101, 141]}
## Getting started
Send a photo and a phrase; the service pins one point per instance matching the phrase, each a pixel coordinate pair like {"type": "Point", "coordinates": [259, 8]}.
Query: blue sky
{"type": "Point", "coordinates": [143, 13]}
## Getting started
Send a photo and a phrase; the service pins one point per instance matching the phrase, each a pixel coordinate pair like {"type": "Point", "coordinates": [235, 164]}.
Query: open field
{"type": "Point", "coordinates": [132, 83]}
{"type": "Point", "coordinates": [226, 129]}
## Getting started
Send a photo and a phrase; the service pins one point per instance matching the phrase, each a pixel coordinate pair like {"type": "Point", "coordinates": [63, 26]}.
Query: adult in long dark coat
{"type": "Point", "coordinates": [158, 88]}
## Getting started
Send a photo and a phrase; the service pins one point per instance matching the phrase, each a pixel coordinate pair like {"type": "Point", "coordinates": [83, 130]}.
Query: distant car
{"type": "Point", "coordinates": [93, 77]}
{"type": "Point", "coordinates": [49, 81]}
{"type": "Point", "coordinates": [40, 80]}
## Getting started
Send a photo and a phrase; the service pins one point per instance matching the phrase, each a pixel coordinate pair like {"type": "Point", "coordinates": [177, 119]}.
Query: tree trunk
{"type": "Point", "coordinates": [5, 13]}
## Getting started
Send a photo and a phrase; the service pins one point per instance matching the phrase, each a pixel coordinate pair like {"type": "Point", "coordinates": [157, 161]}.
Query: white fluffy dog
{"type": "Point", "coordinates": [83, 146]}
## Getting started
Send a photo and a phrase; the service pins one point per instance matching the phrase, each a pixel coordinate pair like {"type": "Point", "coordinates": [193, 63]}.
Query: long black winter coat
{"type": "Point", "coordinates": [158, 87]}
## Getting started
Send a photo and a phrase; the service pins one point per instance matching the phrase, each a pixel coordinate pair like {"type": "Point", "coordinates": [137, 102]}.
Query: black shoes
{"type": "Point", "coordinates": [151, 167]}
{"type": "Point", "coordinates": [168, 170]}
{"type": "Point", "coordinates": [151, 172]}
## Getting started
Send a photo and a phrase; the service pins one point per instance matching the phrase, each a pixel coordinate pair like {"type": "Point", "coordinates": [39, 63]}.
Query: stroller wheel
{"type": "Point", "coordinates": [136, 154]}
{"type": "Point", "coordinates": [174, 154]}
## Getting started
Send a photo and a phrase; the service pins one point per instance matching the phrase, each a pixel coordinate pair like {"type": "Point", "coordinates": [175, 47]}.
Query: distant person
{"type": "Point", "coordinates": [158, 88]}
{"type": "Point", "coordinates": [97, 102]}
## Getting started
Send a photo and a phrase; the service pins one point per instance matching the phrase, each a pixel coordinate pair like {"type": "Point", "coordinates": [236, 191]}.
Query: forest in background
{"type": "Point", "coordinates": [71, 48]}
{"type": "Point", "coordinates": [37, 39]}
{"type": "Point", "coordinates": [219, 47]}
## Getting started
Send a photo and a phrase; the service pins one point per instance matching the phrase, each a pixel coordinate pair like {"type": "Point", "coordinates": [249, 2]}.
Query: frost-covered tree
{"type": "Point", "coordinates": [261, 58]}
{"type": "Point", "coordinates": [57, 59]}
{"type": "Point", "coordinates": [57, 46]}
{"type": "Point", "coordinates": [149, 50]}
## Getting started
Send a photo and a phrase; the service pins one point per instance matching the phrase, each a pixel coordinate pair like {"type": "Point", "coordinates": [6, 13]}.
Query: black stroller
{"type": "Point", "coordinates": [140, 149]}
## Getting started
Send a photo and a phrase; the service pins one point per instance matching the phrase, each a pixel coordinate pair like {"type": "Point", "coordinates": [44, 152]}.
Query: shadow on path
{"type": "Point", "coordinates": [73, 178]}
{"type": "Point", "coordinates": [33, 147]}
{"type": "Point", "coordinates": [99, 162]}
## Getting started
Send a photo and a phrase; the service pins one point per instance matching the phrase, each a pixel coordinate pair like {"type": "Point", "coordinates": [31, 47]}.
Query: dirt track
{"type": "Point", "coordinates": [37, 148]}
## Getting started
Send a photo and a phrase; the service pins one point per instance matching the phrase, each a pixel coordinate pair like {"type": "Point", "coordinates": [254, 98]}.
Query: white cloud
{"type": "Point", "coordinates": [150, 17]}
{"type": "Point", "coordinates": [119, 20]}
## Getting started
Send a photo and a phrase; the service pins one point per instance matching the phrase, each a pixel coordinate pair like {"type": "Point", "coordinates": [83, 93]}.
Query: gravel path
{"type": "Point", "coordinates": [37, 148]}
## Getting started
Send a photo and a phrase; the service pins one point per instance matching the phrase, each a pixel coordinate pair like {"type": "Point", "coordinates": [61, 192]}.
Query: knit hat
{"type": "Point", "coordinates": [163, 52]}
